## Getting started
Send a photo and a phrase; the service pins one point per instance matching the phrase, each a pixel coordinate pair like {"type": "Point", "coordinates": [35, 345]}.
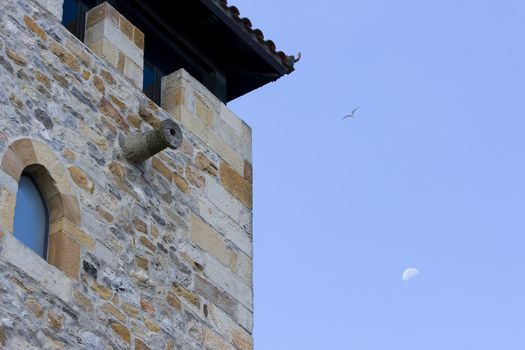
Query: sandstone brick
{"type": "Point", "coordinates": [117, 169]}
{"type": "Point", "coordinates": [95, 15]}
{"type": "Point", "coordinates": [173, 301]}
{"type": "Point", "coordinates": [126, 27]}
{"type": "Point", "coordinates": [102, 291]}
{"type": "Point", "coordinates": [35, 307]}
{"type": "Point", "coordinates": [64, 56]}
{"type": "Point", "coordinates": [99, 84]}
{"type": "Point", "coordinates": [65, 226]}
{"type": "Point", "coordinates": [140, 225]}
{"type": "Point", "coordinates": [211, 139]}
{"type": "Point", "coordinates": [203, 111]}
{"type": "Point", "coordinates": [12, 164]}
{"type": "Point", "coordinates": [18, 59]}
{"type": "Point", "coordinates": [194, 178]}
{"type": "Point", "coordinates": [108, 77]}
{"type": "Point", "coordinates": [186, 294]}
{"type": "Point", "coordinates": [233, 260]}
{"type": "Point", "coordinates": [71, 208]}
{"type": "Point", "coordinates": [134, 120]}
{"type": "Point", "coordinates": [209, 240]}
{"type": "Point", "coordinates": [130, 310]}
{"type": "Point", "coordinates": [113, 311]}
{"type": "Point", "coordinates": [107, 109]}
{"type": "Point", "coordinates": [181, 183]}
{"type": "Point", "coordinates": [236, 184]}
{"type": "Point", "coordinates": [148, 244]}
{"type": "Point", "coordinates": [35, 28]}
{"type": "Point", "coordinates": [24, 151]}
{"type": "Point", "coordinates": [204, 164]}
{"type": "Point", "coordinates": [140, 345]}
{"type": "Point", "coordinates": [69, 154]}
{"type": "Point", "coordinates": [81, 179]}
{"type": "Point", "coordinates": [82, 301]}
{"type": "Point", "coordinates": [121, 331]}
{"type": "Point", "coordinates": [62, 80]}
{"type": "Point", "coordinates": [111, 36]}
{"type": "Point", "coordinates": [142, 262]}
{"type": "Point", "coordinates": [248, 171]}
{"type": "Point", "coordinates": [154, 231]}
{"type": "Point", "coordinates": [151, 326]}
{"type": "Point", "coordinates": [148, 117]}
{"type": "Point", "coordinates": [55, 321]}
{"type": "Point", "coordinates": [59, 243]}
{"type": "Point", "coordinates": [43, 79]}
{"type": "Point", "coordinates": [146, 306]}
{"type": "Point", "coordinates": [106, 215]}
{"type": "Point", "coordinates": [120, 104]}
{"type": "Point", "coordinates": [158, 165]}
{"type": "Point", "coordinates": [138, 38]}
{"type": "Point", "coordinates": [93, 136]}
{"type": "Point", "coordinates": [7, 209]}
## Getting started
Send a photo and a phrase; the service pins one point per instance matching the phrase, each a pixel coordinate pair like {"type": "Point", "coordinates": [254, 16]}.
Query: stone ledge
{"type": "Point", "coordinates": [52, 279]}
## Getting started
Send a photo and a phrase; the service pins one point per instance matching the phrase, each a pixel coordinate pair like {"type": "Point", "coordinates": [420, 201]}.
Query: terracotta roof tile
{"type": "Point", "coordinates": [287, 60]}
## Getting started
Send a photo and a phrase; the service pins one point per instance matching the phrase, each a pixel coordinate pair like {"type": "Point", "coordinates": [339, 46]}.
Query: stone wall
{"type": "Point", "coordinates": [155, 256]}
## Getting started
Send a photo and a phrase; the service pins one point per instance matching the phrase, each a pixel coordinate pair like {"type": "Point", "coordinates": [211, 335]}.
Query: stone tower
{"type": "Point", "coordinates": [145, 174]}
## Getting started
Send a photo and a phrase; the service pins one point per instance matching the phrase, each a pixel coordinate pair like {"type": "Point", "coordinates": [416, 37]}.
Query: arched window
{"type": "Point", "coordinates": [31, 225]}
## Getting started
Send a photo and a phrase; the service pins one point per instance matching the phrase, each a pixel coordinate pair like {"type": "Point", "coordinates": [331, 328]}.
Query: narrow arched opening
{"type": "Point", "coordinates": [46, 215]}
{"type": "Point", "coordinates": [31, 224]}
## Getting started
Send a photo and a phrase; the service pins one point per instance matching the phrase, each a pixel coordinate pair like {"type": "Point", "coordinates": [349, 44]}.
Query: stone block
{"type": "Point", "coordinates": [50, 278]}
{"type": "Point", "coordinates": [236, 184]}
{"type": "Point", "coordinates": [113, 37]}
{"type": "Point", "coordinates": [216, 296]}
{"type": "Point", "coordinates": [7, 209]}
{"type": "Point", "coordinates": [64, 253]}
{"type": "Point", "coordinates": [194, 106]}
{"type": "Point", "coordinates": [225, 225]}
{"type": "Point", "coordinates": [74, 232]}
{"type": "Point", "coordinates": [223, 278]}
{"type": "Point", "coordinates": [209, 240]}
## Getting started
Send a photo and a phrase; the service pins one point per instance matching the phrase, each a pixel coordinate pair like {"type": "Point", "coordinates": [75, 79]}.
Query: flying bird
{"type": "Point", "coordinates": [351, 115]}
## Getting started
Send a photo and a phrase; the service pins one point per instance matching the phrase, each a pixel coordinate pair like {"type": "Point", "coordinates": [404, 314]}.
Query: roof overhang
{"type": "Point", "coordinates": [213, 34]}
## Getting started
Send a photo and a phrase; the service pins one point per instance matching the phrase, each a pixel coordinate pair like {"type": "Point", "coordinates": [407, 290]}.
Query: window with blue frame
{"type": "Point", "coordinates": [31, 224]}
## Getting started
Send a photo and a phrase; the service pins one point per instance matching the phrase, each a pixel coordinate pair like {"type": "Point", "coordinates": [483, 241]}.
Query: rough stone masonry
{"type": "Point", "coordinates": [150, 256]}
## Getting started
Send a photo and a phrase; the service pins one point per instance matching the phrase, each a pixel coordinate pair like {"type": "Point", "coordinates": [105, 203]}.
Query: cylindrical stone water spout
{"type": "Point", "coordinates": [140, 146]}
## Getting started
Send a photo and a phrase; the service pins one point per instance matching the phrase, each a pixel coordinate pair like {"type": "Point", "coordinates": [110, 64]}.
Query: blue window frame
{"type": "Point", "coordinates": [31, 224]}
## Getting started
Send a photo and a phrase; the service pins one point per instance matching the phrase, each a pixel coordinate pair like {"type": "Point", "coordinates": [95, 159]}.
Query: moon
{"type": "Point", "coordinates": [409, 273]}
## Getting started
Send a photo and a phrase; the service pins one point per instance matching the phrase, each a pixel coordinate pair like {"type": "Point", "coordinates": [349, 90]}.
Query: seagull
{"type": "Point", "coordinates": [351, 115]}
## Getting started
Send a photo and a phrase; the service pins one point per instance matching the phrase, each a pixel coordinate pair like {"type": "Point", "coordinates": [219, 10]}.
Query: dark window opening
{"type": "Point", "coordinates": [31, 224]}
{"type": "Point", "coordinates": [152, 81]}
{"type": "Point", "coordinates": [74, 17]}
{"type": "Point", "coordinates": [164, 52]}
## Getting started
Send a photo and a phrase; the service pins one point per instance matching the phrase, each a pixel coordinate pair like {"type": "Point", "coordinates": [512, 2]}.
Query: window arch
{"type": "Point", "coordinates": [30, 158]}
{"type": "Point", "coordinates": [31, 222]}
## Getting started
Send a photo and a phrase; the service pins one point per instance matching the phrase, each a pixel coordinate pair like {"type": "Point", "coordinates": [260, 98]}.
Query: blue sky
{"type": "Point", "coordinates": [430, 174]}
